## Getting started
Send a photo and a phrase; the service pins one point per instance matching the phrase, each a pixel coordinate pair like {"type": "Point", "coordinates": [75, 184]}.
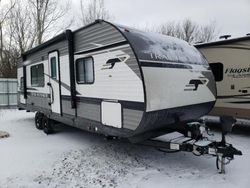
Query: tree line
{"type": "Point", "coordinates": [25, 24]}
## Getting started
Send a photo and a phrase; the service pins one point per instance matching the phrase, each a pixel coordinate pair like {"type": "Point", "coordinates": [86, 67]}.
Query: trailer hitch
{"type": "Point", "coordinates": [228, 151]}
{"type": "Point", "coordinates": [194, 140]}
{"type": "Point", "coordinates": [225, 151]}
{"type": "Point", "coordinates": [224, 155]}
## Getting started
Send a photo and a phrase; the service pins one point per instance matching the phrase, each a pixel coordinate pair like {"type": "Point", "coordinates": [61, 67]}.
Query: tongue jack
{"type": "Point", "coordinates": [227, 151]}
{"type": "Point", "coordinates": [227, 123]}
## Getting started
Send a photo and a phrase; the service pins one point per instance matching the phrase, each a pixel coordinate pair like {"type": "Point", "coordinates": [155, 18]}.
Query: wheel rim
{"type": "Point", "coordinates": [45, 126]}
{"type": "Point", "coordinates": [37, 121]}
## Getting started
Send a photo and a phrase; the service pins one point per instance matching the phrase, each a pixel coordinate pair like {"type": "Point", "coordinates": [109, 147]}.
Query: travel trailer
{"type": "Point", "coordinates": [230, 62]}
{"type": "Point", "coordinates": [118, 81]}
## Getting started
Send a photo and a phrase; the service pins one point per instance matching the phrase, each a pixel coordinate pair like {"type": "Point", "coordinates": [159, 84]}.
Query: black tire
{"type": "Point", "coordinates": [38, 120]}
{"type": "Point", "coordinates": [47, 125]}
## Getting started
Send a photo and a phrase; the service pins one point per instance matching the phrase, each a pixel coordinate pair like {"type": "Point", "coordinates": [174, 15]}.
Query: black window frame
{"type": "Point", "coordinates": [215, 73]}
{"type": "Point", "coordinates": [77, 70]}
{"type": "Point", "coordinates": [52, 76]}
{"type": "Point", "coordinates": [31, 81]}
{"type": "Point", "coordinates": [21, 84]}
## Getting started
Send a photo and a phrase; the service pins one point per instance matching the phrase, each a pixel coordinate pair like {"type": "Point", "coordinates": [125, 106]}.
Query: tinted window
{"type": "Point", "coordinates": [37, 75]}
{"type": "Point", "coordinates": [53, 67]}
{"type": "Point", "coordinates": [85, 70]}
{"type": "Point", "coordinates": [217, 69]}
{"type": "Point", "coordinates": [21, 84]}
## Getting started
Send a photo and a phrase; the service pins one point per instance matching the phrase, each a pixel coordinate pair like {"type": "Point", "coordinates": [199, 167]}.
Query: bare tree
{"type": "Point", "coordinates": [21, 29]}
{"type": "Point", "coordinates": [46, 13]}
{"type": "Point", "coordinates": [207, 33]}
{"type": "Point", "coordinates": [93, 11]}
{"type": "Point", "coordinates": [27, 24]}
{"type": "Point", "coordinates": [167, 29]}
{"type": "Point", "coordinates": [3, 16]}
{"type": "Point", "coordinates": [4, 12]}
{"type": "Point", "coordinates": [9, 66]}
{"type": "Point", "coordinates": [189, 31]}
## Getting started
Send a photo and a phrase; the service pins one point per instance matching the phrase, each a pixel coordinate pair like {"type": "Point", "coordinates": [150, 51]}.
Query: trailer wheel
{"type": "Point", "coordinates": [47, 125]}
{"type": "Point", "coordinates": [38, 120]}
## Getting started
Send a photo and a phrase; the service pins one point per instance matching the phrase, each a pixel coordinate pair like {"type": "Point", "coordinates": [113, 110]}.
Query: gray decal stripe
{"type": "Point", "coordinates": [83, 99]}
{"type": "Point", "coordinates": [125, 104]}
{"type": "Point", "coordinates": [132, 61]}
{"type": "Point", "coordinates": [211, 82]}
{"type": "Point", "coordinates": [89, 100]}
{"type": "Point", "coordinates": [67, 87]}
{"type": "Point", "coordinates": [165, 65]}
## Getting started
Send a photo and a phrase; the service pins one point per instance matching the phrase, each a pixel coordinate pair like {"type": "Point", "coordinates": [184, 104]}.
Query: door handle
{"type": "Point", "coordinates": [51, 93]}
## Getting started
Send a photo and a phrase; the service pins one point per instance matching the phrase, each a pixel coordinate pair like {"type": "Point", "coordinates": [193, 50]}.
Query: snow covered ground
{"type": "Point", "coordinates": [74, 158]}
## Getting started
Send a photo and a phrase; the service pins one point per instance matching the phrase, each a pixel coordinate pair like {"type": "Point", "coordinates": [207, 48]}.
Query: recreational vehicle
{"type": "Point", "coordinates": [118, 81]}
{"type": "Point", "coordinates": [115, 80]}
{"type": "Point", "coordinates": [230, 62]}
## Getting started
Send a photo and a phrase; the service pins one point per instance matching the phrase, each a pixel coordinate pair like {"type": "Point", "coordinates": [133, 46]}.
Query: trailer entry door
{"type": "Point", "coordinates": [54, 82]}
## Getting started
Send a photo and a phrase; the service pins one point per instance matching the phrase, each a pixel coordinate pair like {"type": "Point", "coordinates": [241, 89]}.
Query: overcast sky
{"type": "Point", "coordinates": [231, 16]}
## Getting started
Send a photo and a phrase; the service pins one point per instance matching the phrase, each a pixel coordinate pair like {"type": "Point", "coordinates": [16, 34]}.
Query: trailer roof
{"type": "Point", "coordinates": [57, 38]}
{"type": "Point", "coordinates": [222, 42]}
{"type": "Point", "coordinates": [147, 46]}
{"type": "Point", "coordinates": [157, 47]}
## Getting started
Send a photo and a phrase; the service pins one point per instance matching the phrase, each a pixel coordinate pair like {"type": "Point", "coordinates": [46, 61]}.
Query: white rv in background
{"type": "Point", "coordinates": [230, 62]}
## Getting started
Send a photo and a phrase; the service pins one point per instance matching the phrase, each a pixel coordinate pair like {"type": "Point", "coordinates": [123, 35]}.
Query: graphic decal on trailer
{"type": "Point", "coordinates": [194, 84]}
{"type": "Point", "coordinates": [111, 62]}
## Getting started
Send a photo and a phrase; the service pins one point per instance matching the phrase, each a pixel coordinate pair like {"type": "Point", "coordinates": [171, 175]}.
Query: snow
{"type": "Point", "coordinates": [74, 158]}
{"type": "Point", "coordinates": [154, 46]}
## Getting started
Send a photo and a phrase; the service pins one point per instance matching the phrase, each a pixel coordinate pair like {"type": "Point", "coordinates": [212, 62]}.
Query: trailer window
{"type": "Point", "coordinates": [53, 67]}
{"type": "Point", "coordinates": [217, 69]}
{"type": "Point", "coordinates": [37, 75]}
{"type": "Point", "coordinates": [21, 84]}
{"type": "Point", "coordinates": [85, 70]}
